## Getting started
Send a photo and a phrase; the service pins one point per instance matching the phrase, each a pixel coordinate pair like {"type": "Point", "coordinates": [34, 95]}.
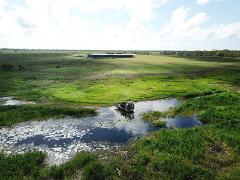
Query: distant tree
{"type": "Point", "coordinates": [211, 54]}
{"type": "Point", "coordinates": [7, 67]}
{"type": "Point", "coordinates": [21, 68]}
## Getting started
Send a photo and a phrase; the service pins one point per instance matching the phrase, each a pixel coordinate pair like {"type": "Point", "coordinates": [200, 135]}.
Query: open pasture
{"type": "Point", "coordinates": [53, 77]}
{"type": "Point", "coordinates": [66, 82]}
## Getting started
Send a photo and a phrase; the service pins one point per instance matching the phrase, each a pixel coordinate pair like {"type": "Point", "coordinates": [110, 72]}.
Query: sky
{"type": "Point", "coordinates": [120, 24]}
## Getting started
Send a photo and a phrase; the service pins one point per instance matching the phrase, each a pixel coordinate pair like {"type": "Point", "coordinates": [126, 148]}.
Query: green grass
{"type": "Point", "coordinates": [32, 166]}
{"type": "Point", "coordinates": [207, 152]}
{"type": "Point", "coordinates": [155, 117]}
{"type": "Point", "coordinates": [208, 88]}
{"type": "Point", "coordinates": [21, 166]}
{"type": "Point", "coordinates": [14, 114]}
{"type": "Point", "coordinates": [84, 165]}
{"type": "Point", "coordinates": [62, 77]}
{"type": "Point", "coordinates": [202, 152]}
{"type": "Point", "coordinates": [107, 92]}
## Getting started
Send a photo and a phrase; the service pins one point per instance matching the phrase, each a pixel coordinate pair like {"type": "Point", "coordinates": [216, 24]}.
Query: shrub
{"type": "Point", "coordinates": [7, 67]}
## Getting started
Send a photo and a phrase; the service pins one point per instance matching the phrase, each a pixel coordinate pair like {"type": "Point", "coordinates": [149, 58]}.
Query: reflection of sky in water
{"type": "Point", "coordinates": [63, 138]}
{"type": "Point", "coordinates": [183, 122]}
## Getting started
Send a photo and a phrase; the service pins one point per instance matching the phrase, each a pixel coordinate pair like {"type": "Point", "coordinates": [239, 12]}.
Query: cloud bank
{"type": "Point", "coordinates": [106, 24]}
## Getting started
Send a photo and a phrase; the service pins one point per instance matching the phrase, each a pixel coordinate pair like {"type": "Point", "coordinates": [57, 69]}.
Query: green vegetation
{"type": "Point", "coordinates": [194, 153]}
{"type": "Point", "coordinates": [208, 86]}
{"type": "Point", "coordinates": [207, 152]}
{"type": "Point", "coordinates": [32, 166]}
{"type": "Point", "coordinates": [65, 78]}
{"type": "Point", "coordinates": [85, 165]}
{"type": "Point", "coordinates": [20, 166]}
{"type": "Point", "coordinates": [14, 114]}
{"type": "Point", "coordinates": [155, 117]}
{"type": "Point", "coordinates": [206, 54]}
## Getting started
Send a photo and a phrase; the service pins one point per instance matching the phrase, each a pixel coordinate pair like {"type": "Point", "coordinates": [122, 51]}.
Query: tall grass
{"type": "Point", "coordinates": [21, 166]}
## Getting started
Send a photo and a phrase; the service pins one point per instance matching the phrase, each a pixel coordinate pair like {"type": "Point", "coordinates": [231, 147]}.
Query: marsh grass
{"type": "Point", "coordinates": [10, 115]}
{"type": "Point", "coordinates": [157, 118]}
{"type": "Point", "coordinates": [22, 165]}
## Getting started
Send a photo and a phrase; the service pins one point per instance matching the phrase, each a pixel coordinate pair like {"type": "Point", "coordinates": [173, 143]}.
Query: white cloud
{"type": "Point", "coordinates": [184, 30]}
{"type": "Point", "coordinates": [223, 31]}
{"type": "Point", "coordinates": [78, 24]}
{"type": "Point", "coordinates": [36, 22]}
{"type": "Point", "coordinates": [181, 26]}
{"type": "Point", "coordinates": [203, 2]}
{"type": "Point", "coordinates": [24, 23]}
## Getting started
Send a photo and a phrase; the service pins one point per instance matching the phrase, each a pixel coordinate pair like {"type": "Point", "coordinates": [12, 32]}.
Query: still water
{"type": "Point", "coordinates": [62, 138]}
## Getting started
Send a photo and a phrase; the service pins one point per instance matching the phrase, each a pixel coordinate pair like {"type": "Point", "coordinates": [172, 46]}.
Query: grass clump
{"type": "Point", "coordinates": [160, 123]}
{"type": "Point", "coordinates": [10, 115]}
{"type": "Point", "coordinates": [84, 166]}
{"type": "Point", "coordinates": [32, 166]}
{"type": "Point", "coordinates": [21, 166]}
{"type": "Point", "coordinates": [73, 167]}
{"type": "Point", "coordinates": [154, 115]}
{"type": "Point", "coordinates": [157, 118]}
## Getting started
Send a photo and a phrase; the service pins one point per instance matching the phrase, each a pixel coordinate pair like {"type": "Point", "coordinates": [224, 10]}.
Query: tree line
{"type": "Point", "coordinates": [212, 53]}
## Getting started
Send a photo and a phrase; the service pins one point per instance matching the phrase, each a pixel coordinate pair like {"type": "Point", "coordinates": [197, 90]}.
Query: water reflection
{"type": "Point", "coordinates": [183, 122]}
{"type": "Point", "coordinates": [62, 138]}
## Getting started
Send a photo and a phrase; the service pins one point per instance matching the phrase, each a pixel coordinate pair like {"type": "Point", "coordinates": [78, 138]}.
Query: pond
{"type": "Point", "coordinates": [63, 138]}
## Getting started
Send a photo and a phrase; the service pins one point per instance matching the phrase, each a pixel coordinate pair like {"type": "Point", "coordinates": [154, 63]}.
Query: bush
{"type": "Point", "coordinates": [7, 67]}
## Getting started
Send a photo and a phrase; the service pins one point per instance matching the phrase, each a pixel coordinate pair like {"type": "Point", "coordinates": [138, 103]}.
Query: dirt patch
{"type": "Point", "coordinates": [220, 156]}
{"type": "Point", "coordinates": [218, 149]}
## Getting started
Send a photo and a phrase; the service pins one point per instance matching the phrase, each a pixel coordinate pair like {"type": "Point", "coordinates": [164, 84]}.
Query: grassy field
{"type": "Point", "coordinates": [209, 89]}
{"type": "Point", "coordinates": [62, 77]}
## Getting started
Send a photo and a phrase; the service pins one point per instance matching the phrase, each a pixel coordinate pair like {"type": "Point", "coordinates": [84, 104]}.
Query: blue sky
{"type": "Point", "coordinates": [120, 24]}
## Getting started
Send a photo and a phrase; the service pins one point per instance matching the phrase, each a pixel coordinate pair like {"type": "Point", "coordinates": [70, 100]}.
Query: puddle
{"type": "Point", "coordinates": [183, 122]}
{"type": "Point", "coordinates": [9, 101]}
{"type": "Point", "coordinates": [63, 138]}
